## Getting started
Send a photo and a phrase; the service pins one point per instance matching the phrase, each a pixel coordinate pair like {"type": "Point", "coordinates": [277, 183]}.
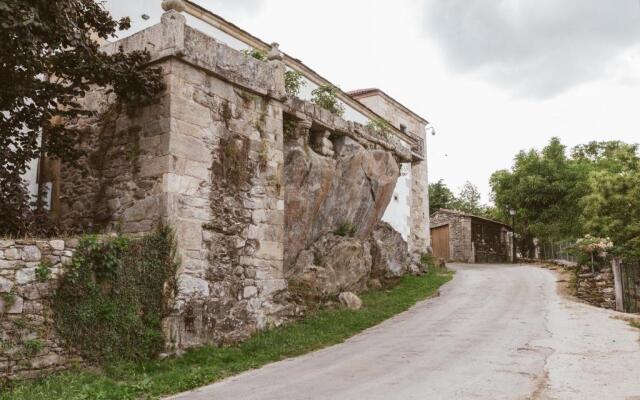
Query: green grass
{"type": "Point", "coordinates": [204, 365]}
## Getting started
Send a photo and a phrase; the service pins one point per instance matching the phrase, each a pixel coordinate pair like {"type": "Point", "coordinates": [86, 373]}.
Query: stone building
{"type": "Point", "coordinates": [265, 190]}
{"type": "Point", "coordinates": [459, 236]}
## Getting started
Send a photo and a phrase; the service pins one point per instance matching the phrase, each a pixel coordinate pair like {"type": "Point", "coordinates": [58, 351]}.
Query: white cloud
{"type": "Point", "coordinates": [537, 48]}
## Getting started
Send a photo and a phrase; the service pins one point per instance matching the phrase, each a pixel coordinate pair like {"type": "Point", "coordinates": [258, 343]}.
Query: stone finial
{"type": "Point", "coordinates": [275, 53]}
{"type": "Point", "coordinates": [177, 5]}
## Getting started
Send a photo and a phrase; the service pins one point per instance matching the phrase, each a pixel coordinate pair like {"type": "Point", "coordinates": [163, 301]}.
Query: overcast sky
{"type": "Point", "coordinates": [492, 76]}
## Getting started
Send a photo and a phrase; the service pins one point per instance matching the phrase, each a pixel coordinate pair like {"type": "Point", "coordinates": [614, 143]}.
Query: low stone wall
{"type": "Point", "coordinates": [29, 272]}
{"type": "Point", "coordinates": [596, 289]}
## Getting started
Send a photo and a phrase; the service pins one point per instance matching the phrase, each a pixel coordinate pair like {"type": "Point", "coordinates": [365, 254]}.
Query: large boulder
{"type": "Point", "coordinates": [391, 258]}
{"type": "Point", "coordinates": [332, 265]}
{"type": "Point", "coordinates": [323, 193]}
{"type": "Point", "coordinates": [350, 300]}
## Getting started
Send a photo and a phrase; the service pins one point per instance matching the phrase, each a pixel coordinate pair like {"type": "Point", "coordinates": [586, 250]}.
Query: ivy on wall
{"type": "Point", "coordinates": [114, 294]}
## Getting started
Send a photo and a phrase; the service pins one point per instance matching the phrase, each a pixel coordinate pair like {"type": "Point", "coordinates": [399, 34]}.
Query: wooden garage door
{"type": "Point", "coordinates": [440, 241]}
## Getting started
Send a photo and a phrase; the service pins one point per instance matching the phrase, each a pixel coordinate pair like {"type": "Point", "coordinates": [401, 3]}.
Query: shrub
{"type": "Point", "coordinates": [43, 270]}
{"type": "Point", "coordinates": [346, 229]}
{"type": "Point", "coordinates": [114, 294]}
{"type": "Point", "coordinates": [257, 54]}
{"type": "Point", "coordinates": [379, 126]}
{"type": "Point", "coordinates": [293, 82]}
{"type": "Point", "coordinates": [32, 347]}
{"type": "Point", "coordinates": [326, 97]}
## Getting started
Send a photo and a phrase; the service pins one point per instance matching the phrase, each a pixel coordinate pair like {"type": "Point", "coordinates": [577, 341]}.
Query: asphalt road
{"type": "Point", "coordinates": [496, 332]}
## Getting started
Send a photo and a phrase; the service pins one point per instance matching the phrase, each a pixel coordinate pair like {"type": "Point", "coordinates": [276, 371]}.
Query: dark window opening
{"type": "Point", "coordinates": [403, 128]}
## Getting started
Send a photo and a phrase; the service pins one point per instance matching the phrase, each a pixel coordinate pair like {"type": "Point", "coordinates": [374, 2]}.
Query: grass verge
{"type": "Point", "coordinates": [204, 365]}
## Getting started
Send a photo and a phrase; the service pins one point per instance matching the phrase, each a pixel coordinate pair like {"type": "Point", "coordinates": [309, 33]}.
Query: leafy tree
{"type": "Point", "coordinates": [439, 196]}
{"type": "Point", "coordinates": [545, 188]}
{"type": "Point", "coordinates": [612, 205]}
{"type": "Point", "coordinates": [49, 58]}
{"type": "Point", "coordinates": [468, 200]}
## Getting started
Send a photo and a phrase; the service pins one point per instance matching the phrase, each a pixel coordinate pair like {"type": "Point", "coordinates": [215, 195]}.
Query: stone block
{"type": "Point", "coordinates": [46, 361]}
{"type": "Point", "coordinates": [11, 253]}
{"type": "Point", "coordinates": [270, 250]}
{"type": "Point", "coordinates": [190, 286]}
{"type": "Point", "coordinates": [11, 305]}
{"type": "Point", "coordinates": [250, 291]}
{"type": "Point", "coordinates": [57, 244]}
{"type": "Point", "coordinates": [270, 286]}
{"type": "Point", "coordinates": [190, 148]}
{"type": "Point", "coordinates": [31, 253]}
{"type": "Point", "coordinates": [25, 275]}
{"type": "Point", "coordinates": [189, 234]}
{"type": "Point", "coordinates": [5, 285]}
{"type": "Point", "coordinates": [6, 243]}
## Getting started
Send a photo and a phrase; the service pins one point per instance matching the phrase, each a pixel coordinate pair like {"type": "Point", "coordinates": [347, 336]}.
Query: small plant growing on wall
{"type": "Point", "coordinates": [288, 130]}
{"type": "Point", "coordinates": [43, 270]}
{"type": "Point", "coordinates": [32, 347]}
{"type": "Point", "coordinates": [234, 156]}
{"type": "Point", "coordinates": [326, 97]}
{"type": "Point", "coordinates": [257, 54]}
{"type": "Point", "coordinates": [379, 126]}
{"type": "Point", "coordinates": [293, 82]}
{"type": "Point", "coordinates": [346, 229]}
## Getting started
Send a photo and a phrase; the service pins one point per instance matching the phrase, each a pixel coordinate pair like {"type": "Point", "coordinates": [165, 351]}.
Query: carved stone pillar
{"type": "Point", "coordinates": [301, 132]}
{"type": "Point", "coordinates": [420, 234]}
{"type": "Point", "coordinates": [276, 60]}
{"type": "Point", "coordinates": [321, 143]}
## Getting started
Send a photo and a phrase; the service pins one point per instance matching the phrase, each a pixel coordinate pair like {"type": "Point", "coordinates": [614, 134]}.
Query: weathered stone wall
{"type": "Point", "coordinates": [460, 248]}
{"type": "Point", "coordinates": [209, 159]}
{"type": "Point", "coordinates": [596, 289]}
{"type": "Point", "coordinates": [206, 158]}
{"type": "Point", "coordinates": [28, 346]}
{"type": "Point", "coordinates": [226, 201]}
{"type": "Point", "coordinates": [117, 185]}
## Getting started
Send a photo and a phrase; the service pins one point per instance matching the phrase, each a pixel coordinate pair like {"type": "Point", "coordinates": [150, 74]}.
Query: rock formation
{"type": "Point", "coordinates": [333, 206]}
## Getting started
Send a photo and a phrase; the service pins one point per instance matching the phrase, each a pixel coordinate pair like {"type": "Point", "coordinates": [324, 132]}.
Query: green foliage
{"type": "Point", "coordinates": [43, 270]}
{"type": "Point", "coordinates": [440, 196]}
{"type": "Point", "coordinates": [293, 82]}
{"type": "Point", "coordinates": [113, 296]}
{"type": "Point", "coordinates": [288, 129]}
{"type": "Point", "coordinates": [201, 366]}
{"type": "Point", "coordinates": [544, 187]}
{"type": "Point", "coordinates": [612, 205]}
{"type": "Point", "coordinates": [429, 261]}
{"type": "Point", "coordinates": [32, 347]}
{"type": "Point", "coordinates": [9, 299]}
{"type": "Point", "coordinates": [594, 191]}
{"type": "Point", "coordinates": [326, 97]}
{"type": "Point", "coordinates": [234, 160]}
{"type": "Point", "coordinates": [346, 229]}
{"type": "Point", "coordinates": [468, 200]}
{"type": "Point", "coordinates": [53, 39]}
{"type": "Point", "coordinates": [379, 126]}
{"type": "Point", "coordinates": [20, 323]}
{"type": "Point", "coordinates": [257, 54]}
